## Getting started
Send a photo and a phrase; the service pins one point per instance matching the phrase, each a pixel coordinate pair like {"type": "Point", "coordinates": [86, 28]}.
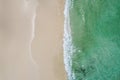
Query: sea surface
{"type": "Point", "coordinates": [92, 39]}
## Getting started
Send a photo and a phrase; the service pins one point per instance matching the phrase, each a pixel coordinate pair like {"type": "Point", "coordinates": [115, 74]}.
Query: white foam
{"type": "Point", "coordinates": [67, 45]}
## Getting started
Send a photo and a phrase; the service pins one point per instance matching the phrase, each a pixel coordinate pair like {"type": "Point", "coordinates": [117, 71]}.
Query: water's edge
{"type": "Point", "coordinates": [67, 41]}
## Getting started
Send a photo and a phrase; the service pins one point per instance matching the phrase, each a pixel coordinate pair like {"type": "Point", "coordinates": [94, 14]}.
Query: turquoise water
{"type": "Point", "coordinates": [92, 39]}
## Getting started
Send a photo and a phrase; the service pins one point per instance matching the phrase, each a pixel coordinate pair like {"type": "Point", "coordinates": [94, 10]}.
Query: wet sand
{"type": "Point", "coordinates": [47, 45]}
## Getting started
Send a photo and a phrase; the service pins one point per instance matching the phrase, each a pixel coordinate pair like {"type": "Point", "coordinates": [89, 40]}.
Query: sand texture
{"type": "Point", "coordinates": [31, 40]}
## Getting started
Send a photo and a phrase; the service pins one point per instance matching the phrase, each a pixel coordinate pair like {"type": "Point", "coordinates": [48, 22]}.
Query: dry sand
{"type": "Point", "coordinates": [16, 34]}
{"type": "Point", "coordinates": [47, 45]}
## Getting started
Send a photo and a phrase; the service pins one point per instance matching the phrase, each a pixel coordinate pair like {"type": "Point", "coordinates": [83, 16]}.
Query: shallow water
{"type": "Point", "coordinates": [91, 45]}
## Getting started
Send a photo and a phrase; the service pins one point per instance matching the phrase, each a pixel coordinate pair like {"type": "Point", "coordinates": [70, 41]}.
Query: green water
{"type": "Point", "coordinates": [95, 30]}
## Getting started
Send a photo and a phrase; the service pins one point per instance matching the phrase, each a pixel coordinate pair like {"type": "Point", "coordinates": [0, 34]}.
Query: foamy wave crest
{"type": "Point", "coordinates": [67, 45]}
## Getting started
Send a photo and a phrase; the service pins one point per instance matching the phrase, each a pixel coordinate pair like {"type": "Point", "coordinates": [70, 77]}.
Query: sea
{"type": "Point", "coordinates": [92, 39]}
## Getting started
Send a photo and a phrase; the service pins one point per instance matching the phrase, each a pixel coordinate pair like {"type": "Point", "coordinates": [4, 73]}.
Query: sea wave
{"type": "Point", "coordinates": [67, 45]}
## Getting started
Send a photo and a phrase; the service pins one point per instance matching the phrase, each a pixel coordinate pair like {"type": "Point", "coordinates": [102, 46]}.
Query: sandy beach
{"type": "Point", "coordinates": [47, 47]}
{"type": "Point", "coordinates": [31, 40]}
